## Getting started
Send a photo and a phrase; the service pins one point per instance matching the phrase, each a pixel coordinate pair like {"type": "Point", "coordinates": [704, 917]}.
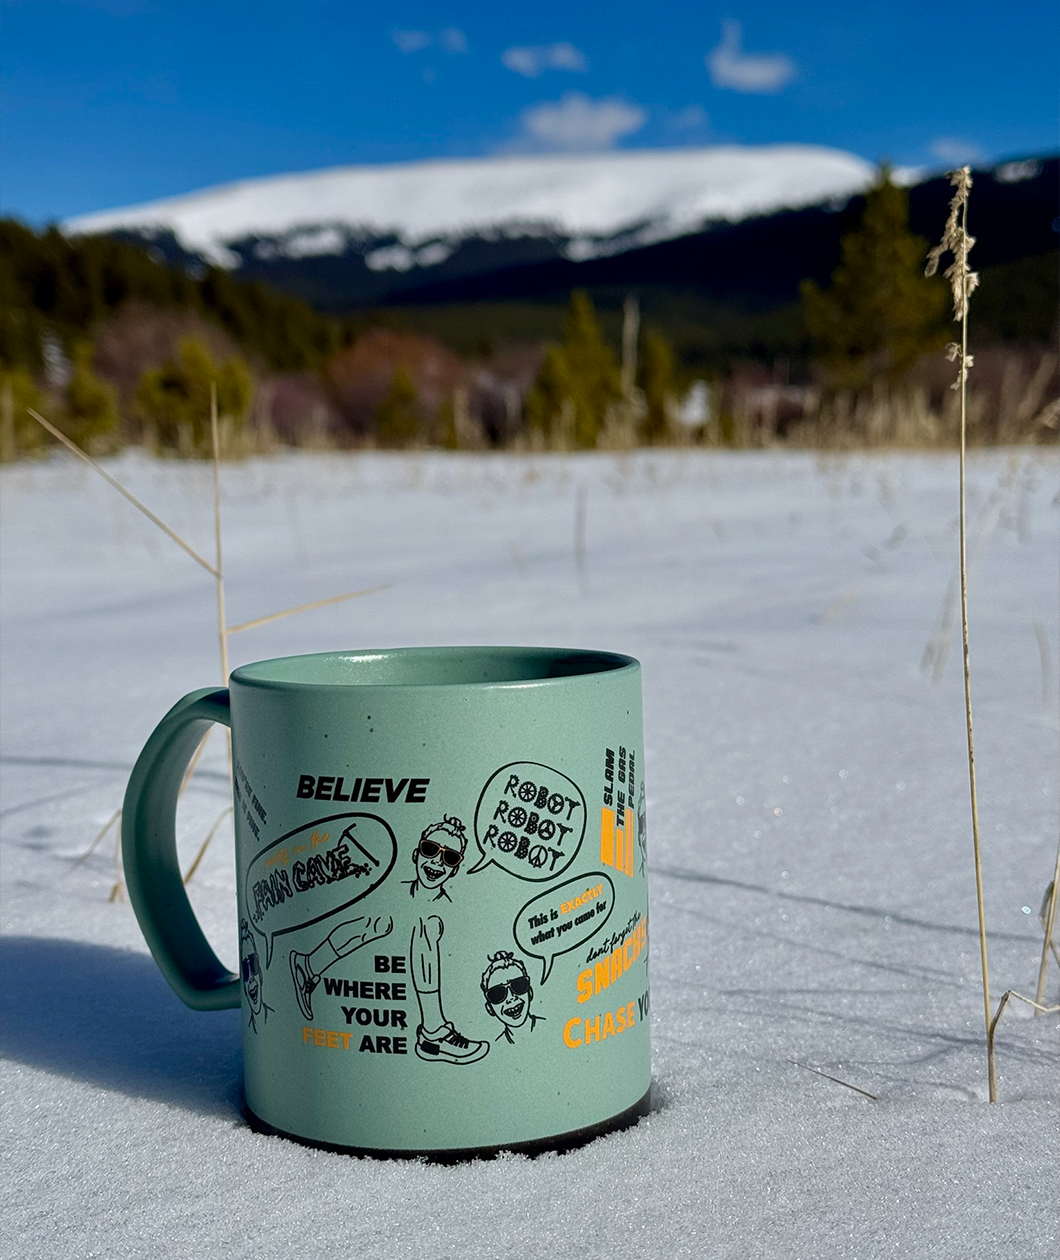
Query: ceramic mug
{"type": "Point", "coordinates": [442, 895]}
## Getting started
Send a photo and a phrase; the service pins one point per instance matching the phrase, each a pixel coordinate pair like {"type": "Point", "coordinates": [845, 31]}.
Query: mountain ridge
{"type": "Point", "coordinates": [752, 264]}
{"type": "Point", "coordinates": [408, 215]}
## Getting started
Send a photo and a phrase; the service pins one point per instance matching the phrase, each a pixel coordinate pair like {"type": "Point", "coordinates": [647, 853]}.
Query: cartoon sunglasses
{"type": "Point", "coordinates": [451, 857]}
{"type": "Point", "coordinates": [518, 987]}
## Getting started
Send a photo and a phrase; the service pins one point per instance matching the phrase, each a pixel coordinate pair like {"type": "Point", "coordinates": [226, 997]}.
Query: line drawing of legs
{"type": "Point", "coordinates": [306, 969]}
{"type": "Point", "coordinates": [437, 1041]}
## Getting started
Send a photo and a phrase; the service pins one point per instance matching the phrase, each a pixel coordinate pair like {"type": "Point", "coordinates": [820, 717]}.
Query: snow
{"type": "Point", "coordinates": [812, 893]}
{"type": "Point", "coordinates": [650, 195]}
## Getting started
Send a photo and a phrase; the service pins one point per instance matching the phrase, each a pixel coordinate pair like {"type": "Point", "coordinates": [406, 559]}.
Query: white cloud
{"type": "Point", "coordinates": [450, 40]}
{"type": "Point", "coordinates": [578, 122]}
{"type": "Point", "coordinates": [730, 67]}
{"type": "Point", "coordinates": [532, 61]}
{"type": "Point", "coordinates": [956, 151]}
{"type": "Point", "coordinates": [411, 41]}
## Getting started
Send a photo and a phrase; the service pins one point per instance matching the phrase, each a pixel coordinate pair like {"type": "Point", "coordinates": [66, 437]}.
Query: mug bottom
{"type": "Point", "coordinates": [539, 1146]}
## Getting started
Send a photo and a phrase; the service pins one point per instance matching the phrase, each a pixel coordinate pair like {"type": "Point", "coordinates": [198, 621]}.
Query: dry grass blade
{"type": "Point", "coordinates": [837, 605]}
{"type": "Point", "coordinates": [117, 893]}
{"type": "Point", "coordinates": [857, 1089]}
{"type": "Point", "coordinates": [94, 845]}
{"type": "Point", "coordinates": [936, 651]}
{"type": "Point", "coordinates": [581, 496]}
{"type": "Point", "coordinates": [1006, 997]}
{"type": "Point", "coordinates": [1048, 920]}
{"type": "Point", "coordinates": [194, 762]}
{"type": "Point", "coordinates": [317, 603]}
{"type": "Point", "coordinates": [219, 570]}
{"type": "Point", "coordinates": [205, 845]}
{"type": "Point", "coordinates": [72, 446]}
{"type": "Point", "coordinates": [1045, 658]}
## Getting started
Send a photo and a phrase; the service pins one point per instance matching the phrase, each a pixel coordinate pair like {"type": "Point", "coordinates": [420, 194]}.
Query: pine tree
{"type": "Point", "coordinates": [91, 411]}
{"type": "Point", "coordinates": [398, 418]}
{"type": "Point", "coordinates": [593, 374]}
{"type": "Point", "coordinates": [174, 400]}
{"type": "Point", "coordinates": [544, 402]}
{"type": "Point", "coordinates": [879, 314]}
{"type": "Point", "coordinates": [657, 386]}
{"type": "Point", "coordinates": [577, 382]}
{"type": "Point", "coordinates": [19, 432]}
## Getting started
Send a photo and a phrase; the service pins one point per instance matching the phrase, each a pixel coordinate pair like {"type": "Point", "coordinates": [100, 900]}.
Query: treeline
{"type": "Point", "coordinates": [115, 346]}
{"type": "Point", "coordinates": [63, 288]}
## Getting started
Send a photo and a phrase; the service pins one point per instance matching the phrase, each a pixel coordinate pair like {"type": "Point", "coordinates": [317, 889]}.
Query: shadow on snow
{"type": "Point", "coordinates": [107, 1017]}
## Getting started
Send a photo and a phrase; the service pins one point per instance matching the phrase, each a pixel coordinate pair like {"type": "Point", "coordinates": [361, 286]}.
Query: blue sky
{"type": "Point", "coordinates": [110, 102]}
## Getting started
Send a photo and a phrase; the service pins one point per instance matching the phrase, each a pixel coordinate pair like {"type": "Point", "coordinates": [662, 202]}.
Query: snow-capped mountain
{"type": "Point", "coordinates": [417, 215]}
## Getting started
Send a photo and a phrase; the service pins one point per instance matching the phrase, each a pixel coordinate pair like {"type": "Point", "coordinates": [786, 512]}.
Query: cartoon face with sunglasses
{"type": "Point", "coordinates": [508, 993]}
{"type": "Point", "coordinates": [437, 858]}
{"type": "Point", "coordinates": [250, 966]}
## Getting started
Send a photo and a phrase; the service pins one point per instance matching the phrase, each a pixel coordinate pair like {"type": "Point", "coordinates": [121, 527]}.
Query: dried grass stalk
{"type": "Point", "coordinates": [72, 446]}
{"type": "Point", "coordinates": [963, 280]}
{"type": "Point", "coordinates": [1048, 919]}
{"type": "Point", "coordinates": [991, 1029]}
{"type": "Point", "coordinates": [317, 603]}
{"type": "Point", "coordinates": [205, 845]}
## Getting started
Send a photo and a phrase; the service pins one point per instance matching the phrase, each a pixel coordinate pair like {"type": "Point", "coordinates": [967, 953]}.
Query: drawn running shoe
{"type": "Point", "coordinates": [446, 1045]}
{"type": "Point", "coordinates": [304, 982]}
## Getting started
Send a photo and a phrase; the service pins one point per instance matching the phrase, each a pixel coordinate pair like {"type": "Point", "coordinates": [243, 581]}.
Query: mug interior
{"type": "Point", "coordinates": [431, 667]}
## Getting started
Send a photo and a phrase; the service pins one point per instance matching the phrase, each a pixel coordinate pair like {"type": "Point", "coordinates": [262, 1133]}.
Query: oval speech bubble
{"type": "Point", "coordinates": [529, 821]}
{"type": "Point", "coordinates": [315, 871]}
{"type": "Point", "coordinates": [564, 917]}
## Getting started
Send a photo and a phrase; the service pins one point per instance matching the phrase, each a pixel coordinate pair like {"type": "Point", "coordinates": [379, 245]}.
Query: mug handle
{"type": "Point", "coordinates": [149, 855]}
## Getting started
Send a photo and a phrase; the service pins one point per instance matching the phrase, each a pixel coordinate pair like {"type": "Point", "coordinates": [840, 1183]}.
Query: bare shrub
{"type": "Point", "coordinates": [294, 408]}
{"type": "Point", "coordinates": [498, 388]}
{"type": "Point", "coordinates": [362, 380]}
{"type": "Point", "coordinates": [1010, 400]}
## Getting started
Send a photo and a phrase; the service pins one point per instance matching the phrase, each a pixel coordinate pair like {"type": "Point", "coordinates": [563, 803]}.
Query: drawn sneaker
{"type": "Point", "coordinates": [304, 982]}
{"type": "Point", "coordinates": [446, 1045]}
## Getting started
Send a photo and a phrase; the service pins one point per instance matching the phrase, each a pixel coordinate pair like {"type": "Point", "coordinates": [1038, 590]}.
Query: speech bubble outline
{"type": "Point", "coordinates": [553, 898]}
{"type": "Point", "coordinates": [383, 867]}
{"type": "Point", "coordinates": [494, 860]}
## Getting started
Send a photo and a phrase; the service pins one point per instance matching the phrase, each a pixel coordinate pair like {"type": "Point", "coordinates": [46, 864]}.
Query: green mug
{"type": "Point", "coordinates": [442, 894]}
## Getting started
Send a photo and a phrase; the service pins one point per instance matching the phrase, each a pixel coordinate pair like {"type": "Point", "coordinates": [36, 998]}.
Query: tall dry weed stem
{"type": "Point", "coordinates": [963, 281]}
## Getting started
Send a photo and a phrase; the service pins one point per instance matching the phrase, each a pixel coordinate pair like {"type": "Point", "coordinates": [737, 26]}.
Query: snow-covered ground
{"type": "Point", "coordinates": [646, 195]}
{"type": "Point", "coordinates": [812, 893]}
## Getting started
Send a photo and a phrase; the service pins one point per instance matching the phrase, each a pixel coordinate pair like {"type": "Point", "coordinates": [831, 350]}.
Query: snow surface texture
{"type": "Point", "coordinates": [645, 196]}
{"type": "Point", "coordinates": [812, 893]}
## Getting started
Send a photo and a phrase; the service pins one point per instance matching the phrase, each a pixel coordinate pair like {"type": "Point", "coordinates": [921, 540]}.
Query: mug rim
{"type": "Point", "coordinates": [275, 673]}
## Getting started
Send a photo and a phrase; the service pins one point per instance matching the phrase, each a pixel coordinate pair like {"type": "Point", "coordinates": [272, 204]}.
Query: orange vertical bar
{"type": "Point", "coordinates": [620, 848]}
{"type": "Point", "coordinates": [629, 843]}
{"type": "Point", "coordinates": [607, 836]}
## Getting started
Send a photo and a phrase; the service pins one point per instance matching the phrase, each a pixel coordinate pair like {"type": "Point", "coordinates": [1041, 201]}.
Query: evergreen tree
{"type": "Point", "coordinates": [657, 386]}
{"type": "Point", "coordinates": [544, 402]}
{"type": "Point", "coordinates": [174, 400]}
{"type": "Point", "coordinates": [592, 372]}
{"type": "Point", "coordinates": [19, 432]}
{"type": "Point", "coordinates": [577, 382]}
{"type": "Point", "coordinates": [91, 412]}
{"type": "Point", "coordinates": [879, 314]}
{"type": "Point", "coordinates": [398, 418]}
